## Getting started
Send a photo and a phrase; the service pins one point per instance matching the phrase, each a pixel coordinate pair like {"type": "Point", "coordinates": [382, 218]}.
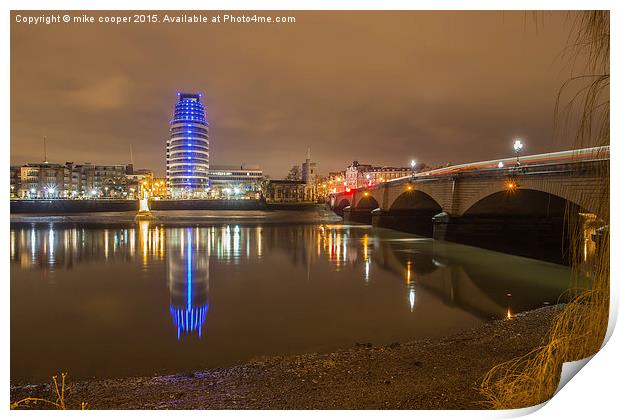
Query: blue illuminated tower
{"type": "Point", "coordinates": [187, 151]}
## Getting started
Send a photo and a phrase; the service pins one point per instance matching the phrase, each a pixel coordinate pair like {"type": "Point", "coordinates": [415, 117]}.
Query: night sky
{"type": "Point", "coordinates": [378, 87]}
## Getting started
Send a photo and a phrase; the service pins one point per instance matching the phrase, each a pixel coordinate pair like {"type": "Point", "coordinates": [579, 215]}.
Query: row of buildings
{"type": "Point", "coordinates": [88, 180]}
{"type": "Point", "coordinates": [81, 180]}
{"type": "Point", "coordinates": [189, 174]}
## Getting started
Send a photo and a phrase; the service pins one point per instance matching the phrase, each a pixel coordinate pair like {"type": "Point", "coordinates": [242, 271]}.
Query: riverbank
{"type": "Point", "coordinates": [315, 214]}
{"type": "Point", "coordinates": [65, 206]}
{"type": "Point", "coordinates": [424, 374]}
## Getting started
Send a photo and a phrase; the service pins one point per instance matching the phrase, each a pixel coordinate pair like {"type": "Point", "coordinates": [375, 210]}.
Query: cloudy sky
{"type": "Point", "coordinates": [378, 87]}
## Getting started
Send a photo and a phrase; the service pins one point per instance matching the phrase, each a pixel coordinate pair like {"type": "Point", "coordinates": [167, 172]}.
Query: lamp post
{"type": "Point", "coordinates": [413, 163]}
{"type": "Point", "coordinates": [518, 146]}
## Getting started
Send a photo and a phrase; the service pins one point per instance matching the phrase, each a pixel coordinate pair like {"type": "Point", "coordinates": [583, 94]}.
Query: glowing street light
{"type": "Point", "coordinates": [518, 146]}
{"type": "Point", "coordinates": [500, 165]}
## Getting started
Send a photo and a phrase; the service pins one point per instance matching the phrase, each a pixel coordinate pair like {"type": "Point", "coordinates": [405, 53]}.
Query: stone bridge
{"type": "Point", "coordinates": [524, 207]}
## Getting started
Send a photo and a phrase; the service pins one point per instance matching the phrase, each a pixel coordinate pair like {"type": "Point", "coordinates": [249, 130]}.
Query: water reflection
{"type": "Point", "coordinates": [484, 283]}
{"type": "Point", "coordinates": [190, 297]}
{"type": "Point", "coordinates": [187, 273]}
{"type": "Point", "coordinates": [40, 246]}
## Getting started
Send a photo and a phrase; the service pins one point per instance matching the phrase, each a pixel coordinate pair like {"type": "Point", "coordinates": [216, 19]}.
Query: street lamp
{"type": "Point", "coordinates": [413, 163]}
{"type": "Point", "coordinates": [500, 165]}
{"type": "Point", "coordinates": [518, 146]}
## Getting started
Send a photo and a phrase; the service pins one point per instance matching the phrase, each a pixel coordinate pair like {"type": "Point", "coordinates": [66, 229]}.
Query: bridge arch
{"type": "Point", "coordinates": [365, 195]}
{"type": "Point", "coordinates": [521, 202]}
{"type": "Point", "coordinates": [415, 200]}
{"type": "Point", "coordinates": [367, 202]}
{"type": "Point", "coordinates": [410, 211]}
{"type": "Point", "coordinates": [340, 206]}
{"type": "Point", "coordinates": [533, 190]}
{"type": "Point", "coordinates": [531, 223]}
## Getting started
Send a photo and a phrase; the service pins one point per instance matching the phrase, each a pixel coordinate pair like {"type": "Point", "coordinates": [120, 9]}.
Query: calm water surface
{"type": "Point", "coordinates": [145, 299]}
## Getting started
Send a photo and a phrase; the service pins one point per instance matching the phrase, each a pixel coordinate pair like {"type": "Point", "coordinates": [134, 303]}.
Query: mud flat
{"type": "Point", "coordinates": [426, 374]}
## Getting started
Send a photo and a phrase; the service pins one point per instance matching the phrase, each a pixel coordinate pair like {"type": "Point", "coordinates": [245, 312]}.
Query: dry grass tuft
{"type": "Point", "coordinates": [59, 403]}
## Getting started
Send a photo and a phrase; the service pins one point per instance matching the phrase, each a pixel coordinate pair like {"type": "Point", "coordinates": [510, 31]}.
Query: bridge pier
{"type": "Point", "coordinates": [350, 214]}
{"type": "Point", "coordinates": [418, 222]}
{"type": "Point", "coordinates": [543, 238]}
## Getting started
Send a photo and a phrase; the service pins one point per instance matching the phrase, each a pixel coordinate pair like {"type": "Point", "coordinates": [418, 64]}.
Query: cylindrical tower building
{"type": "Point", "coordinates": [187, 151]}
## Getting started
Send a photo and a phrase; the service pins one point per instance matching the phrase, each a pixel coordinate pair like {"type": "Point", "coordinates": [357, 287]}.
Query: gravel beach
{"type": "Point", "coordinates": [425, 374]}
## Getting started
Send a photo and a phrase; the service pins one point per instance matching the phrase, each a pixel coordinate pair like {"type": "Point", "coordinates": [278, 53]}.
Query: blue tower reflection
{"type": "Point", "coordinates": [188, 281]}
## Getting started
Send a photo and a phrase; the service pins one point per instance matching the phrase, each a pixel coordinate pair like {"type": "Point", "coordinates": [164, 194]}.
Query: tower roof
{"type": "Point", "coordinates": [185, 95]}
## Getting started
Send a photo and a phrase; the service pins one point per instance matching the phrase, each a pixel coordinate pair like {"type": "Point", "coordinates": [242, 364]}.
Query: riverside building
{"type": "Point", "coordinates": [77, 180]}
{"type": "Point", "coordinates": [232, 181]}
{"type": "Point", "coordinates": [187, 150]}
{"type": "Point", "coordinates": [360, 175]}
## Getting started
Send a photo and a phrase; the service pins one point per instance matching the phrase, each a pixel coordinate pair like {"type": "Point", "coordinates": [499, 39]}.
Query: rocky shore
{"type": "Point", "coordinates": [426, 374]}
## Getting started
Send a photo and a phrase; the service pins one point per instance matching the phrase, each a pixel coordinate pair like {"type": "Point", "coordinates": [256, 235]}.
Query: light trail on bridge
{"type": "Point", "coordinates": [568, 156]}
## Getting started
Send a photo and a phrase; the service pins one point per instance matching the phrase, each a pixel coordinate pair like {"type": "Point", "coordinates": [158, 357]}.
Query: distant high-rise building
{"type": "Point", "coordinates": [187, 151]}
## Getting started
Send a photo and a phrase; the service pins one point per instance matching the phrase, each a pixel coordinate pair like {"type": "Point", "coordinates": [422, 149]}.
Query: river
{"type": "Point", "coordinates": [149, 298]}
